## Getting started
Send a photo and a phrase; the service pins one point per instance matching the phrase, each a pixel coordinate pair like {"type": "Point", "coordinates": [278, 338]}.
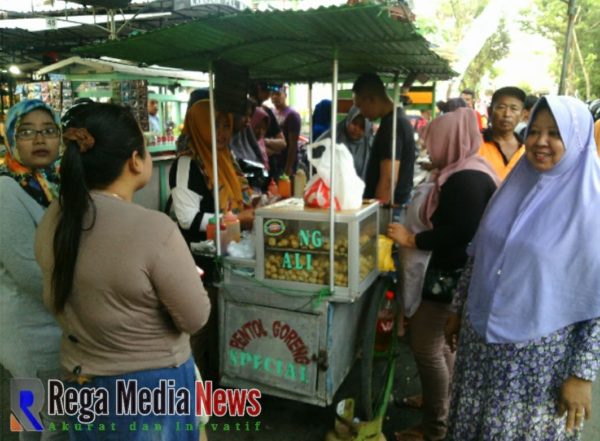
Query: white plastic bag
{"type": "Point", "coordinates": [414, 262]}
{"type": "Point", "coordinates": [349, 187]}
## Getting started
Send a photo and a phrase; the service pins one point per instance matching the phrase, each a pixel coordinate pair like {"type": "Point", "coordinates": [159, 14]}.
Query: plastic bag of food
{"type": "Point", "coordinates": [385, 261]}
{"type": "Point", "coordinates": [318, 195]}
{"type": "Point", "coordinates": [349, 187]}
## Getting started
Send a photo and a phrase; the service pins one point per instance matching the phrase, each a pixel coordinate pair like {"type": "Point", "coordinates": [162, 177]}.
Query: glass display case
{"type": "Point", "coordinates": [293, 245]}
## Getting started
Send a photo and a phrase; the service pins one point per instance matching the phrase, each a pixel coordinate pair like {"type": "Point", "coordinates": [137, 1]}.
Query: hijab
{"type": "Point", "coordinates": [537, 265]}
{"type": "Point", "coordinates": [244, 145]}
{"type": "Point", "coordinates": [360, 148]}
{"type": "Point", "coordinates": [453, 142]}
{"type": "Point", "coordinates": [234, 190]}
{"type": "Point", "coordinates": [40, 184]}
{"type": "Point", "coordinates": [321, 120]}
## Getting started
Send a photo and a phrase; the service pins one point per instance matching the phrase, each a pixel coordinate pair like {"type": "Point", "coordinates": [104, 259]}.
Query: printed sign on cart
{"type": "Point", "coordinates": [271, 346]}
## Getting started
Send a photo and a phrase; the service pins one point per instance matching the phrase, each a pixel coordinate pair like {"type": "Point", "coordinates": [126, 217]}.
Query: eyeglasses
{"type": "Point", "coordinates": [49, 132]}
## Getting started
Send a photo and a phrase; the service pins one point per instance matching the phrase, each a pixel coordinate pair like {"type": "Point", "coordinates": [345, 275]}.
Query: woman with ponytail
{"type": "Point", "coordinates": [119, 278]}
{"type": "Point", "coordinates": [28, 183]}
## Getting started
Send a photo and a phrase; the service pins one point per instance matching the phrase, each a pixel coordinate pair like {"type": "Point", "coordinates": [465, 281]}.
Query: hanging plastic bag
{"type": "Point", "coordinates": [318, 194]}
{"type": "Point", "coordinates": [414, 262]}
{"type": "Point", "coordinates": [349, 187]}
{"type": "Point", "coordinates": [385, 262]}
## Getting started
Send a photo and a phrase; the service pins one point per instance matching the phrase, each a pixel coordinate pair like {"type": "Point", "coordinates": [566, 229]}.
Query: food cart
{"type": "Point", "coordinates": [293, 320]}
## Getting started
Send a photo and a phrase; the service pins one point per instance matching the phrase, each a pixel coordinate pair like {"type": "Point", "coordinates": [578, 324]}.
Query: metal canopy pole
{"type": "Point", "coordinates": [310, 112]}
{"type": "Point", "coordinates": [332, 173]}
{"type": "Point", "coordinates": [310, 123]}
{"type": "Point", "coordinates": [112, 27]}
{"type": "Point", "coordinates": [213, 140]}
{"type": "Point", "coordinates": [394, 128]}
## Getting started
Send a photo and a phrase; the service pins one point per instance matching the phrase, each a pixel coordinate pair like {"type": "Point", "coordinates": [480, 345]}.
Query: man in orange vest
{"type": "Point", "coordinates": [502, 147]}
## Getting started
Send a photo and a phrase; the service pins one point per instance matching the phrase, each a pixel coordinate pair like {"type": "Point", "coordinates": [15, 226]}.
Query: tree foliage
{"type": "Point", "coordinates": [453, 19]}
{"type": "Point", "coordinates": [549, 18]}
{"type": "Point", "coordinates": [494, 49]}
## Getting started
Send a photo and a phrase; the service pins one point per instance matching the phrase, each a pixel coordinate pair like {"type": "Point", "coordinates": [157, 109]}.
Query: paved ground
{"type": "Point", "coordinates": [291, 421]}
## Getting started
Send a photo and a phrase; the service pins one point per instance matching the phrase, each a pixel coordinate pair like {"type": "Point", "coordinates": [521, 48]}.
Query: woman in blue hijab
{"type": "Point", "coordinates": [321, 120]}
{"type": "Point", "coordinates": [529, 346]}
{"type": "Point", "coordinates": [30, 337]}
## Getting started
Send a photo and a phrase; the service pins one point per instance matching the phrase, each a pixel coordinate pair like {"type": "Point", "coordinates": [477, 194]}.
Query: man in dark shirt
{"type": "Point", "coordinates": [373, 101]}
{"type": "Point", "coordinates": [290, 123]}
{"type": "Point", "coordinates": [274, 140]}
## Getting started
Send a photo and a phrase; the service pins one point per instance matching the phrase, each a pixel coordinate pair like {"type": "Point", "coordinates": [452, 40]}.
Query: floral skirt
{"type": "Point", "coordinates": [508, 392]}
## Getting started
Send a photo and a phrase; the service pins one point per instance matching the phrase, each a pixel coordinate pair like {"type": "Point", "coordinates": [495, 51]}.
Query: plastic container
{"type": "Point", "coordinates": [273, 189]}
{"type": "Point", "coordinates": [385, 323]}
{"type": "Point", "coordinates": [299, 183]}
{"type": "Point", "coordinates": [211, 229]}
{"type": "Point", "coordinates": [211, 232]}
{"type": "Point", "coordinates": [232, 224]}
{"type": "Point", "coordinates": [285, 186]}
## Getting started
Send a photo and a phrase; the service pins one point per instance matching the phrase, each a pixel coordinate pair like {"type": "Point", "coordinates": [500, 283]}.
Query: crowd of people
{"type": "Point", "coordinates": [504, 221]}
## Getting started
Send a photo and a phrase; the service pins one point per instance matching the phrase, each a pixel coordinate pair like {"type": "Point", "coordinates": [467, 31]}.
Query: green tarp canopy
{"type": "Point", "coordinates": [296, 46]}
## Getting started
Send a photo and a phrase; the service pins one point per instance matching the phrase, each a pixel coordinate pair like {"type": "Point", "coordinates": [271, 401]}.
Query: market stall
{"type": "Point", "coordinates": [294, 318]}
{"type": "Point", "coordinates": [129, 84]}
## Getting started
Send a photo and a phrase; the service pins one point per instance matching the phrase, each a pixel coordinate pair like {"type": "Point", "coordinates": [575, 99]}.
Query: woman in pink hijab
{"type": "Point", "coordinates": [446, 213]}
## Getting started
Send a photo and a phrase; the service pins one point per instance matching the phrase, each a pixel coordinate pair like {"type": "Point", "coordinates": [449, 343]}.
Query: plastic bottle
{"type": "Point", "coordinates": [211, 229]}
{"type": "Point", "coordinates": [211, 232]}
{"type": "Point", "coordinates": [273, 190]}
{"type": "Point", "coordinates": [232, 223]}
{"type": "Point", "coordinates": [299, 183]}
{"type": "Point", "coordinates": [385, 323]}
{"type": "Point", "coordinates": [285, 186]}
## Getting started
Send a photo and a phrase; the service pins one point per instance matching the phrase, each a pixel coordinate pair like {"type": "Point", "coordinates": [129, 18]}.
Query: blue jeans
{"type": "Point", "coordinates": [113, 427]}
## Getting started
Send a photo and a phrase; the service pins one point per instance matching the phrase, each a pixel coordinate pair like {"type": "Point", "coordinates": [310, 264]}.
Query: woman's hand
{"type": "Point", "coordinates": [246, 218]}
{"type": "Point", "coordinates": [451, 330]}
{"type": "Point", "coordinates": [426, 165]}
{"type": "Point", "coordinates": [575, 398]}
{"type": "Point", "coordinates": [399, 234]}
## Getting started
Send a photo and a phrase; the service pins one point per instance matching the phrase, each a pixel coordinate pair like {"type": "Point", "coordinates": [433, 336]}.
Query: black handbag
{"type": "Point", "coordinates": [440, 284]}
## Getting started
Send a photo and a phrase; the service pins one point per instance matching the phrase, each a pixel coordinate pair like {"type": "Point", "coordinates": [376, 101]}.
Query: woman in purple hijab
{"type": "Point", "coordinates": [529, 344]}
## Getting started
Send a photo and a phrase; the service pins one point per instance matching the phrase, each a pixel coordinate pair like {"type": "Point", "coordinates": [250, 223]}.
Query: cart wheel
{"type": "Point", "coordinates": [377, 368]}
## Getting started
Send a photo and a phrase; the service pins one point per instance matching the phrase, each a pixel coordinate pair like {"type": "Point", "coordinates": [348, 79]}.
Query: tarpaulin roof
{"type": "Point", "coordinates": [85, 66]}
{"type": "Point", "coordinates": [293, 46]}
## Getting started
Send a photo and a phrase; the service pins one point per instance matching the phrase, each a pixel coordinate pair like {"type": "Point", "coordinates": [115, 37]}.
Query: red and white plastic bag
{"type": "Point", "coordinates": [349, 187]}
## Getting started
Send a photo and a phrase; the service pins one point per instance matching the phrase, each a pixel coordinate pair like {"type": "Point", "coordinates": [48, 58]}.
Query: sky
{"type": "Point", "coordinates": [530, 55]}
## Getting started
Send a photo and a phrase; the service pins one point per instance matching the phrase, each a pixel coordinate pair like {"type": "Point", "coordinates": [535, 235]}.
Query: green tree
{"type": "Point", "coordinates": [494, 49]}
{"type": "Point", "coordinates": [452, 21]}
{"type": "Point", "coordinates": [549, 18]}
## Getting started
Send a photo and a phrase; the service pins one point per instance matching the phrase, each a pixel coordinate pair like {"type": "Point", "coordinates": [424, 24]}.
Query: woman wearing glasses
{"type": "Point", "coordinates": [28, 182]}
